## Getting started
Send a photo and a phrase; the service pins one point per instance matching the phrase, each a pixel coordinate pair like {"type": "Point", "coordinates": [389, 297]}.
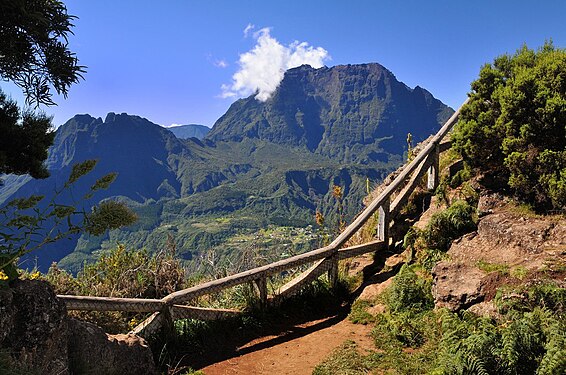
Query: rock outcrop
{"type": "Point", "coordinates": [457, 286]}
{"type": "Point", "coordinates": [41, 338]}
{"type": "Point", "coordinates": [120, 354]}
{"type": "Point", "coordinates": [35, 327]}
{"type": "Point", "coordinates": [505, 240]}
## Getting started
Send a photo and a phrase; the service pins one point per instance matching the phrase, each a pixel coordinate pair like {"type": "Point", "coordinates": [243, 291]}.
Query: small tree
{"type": "Point", "coordinates": [514, 125]}
{"type": "Point", "coordinates": [26, 136]}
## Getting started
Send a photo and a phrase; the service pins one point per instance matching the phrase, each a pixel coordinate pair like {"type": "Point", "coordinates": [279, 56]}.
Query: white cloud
{"type": "Point", "coordinates": [220, 64]}
{"type": "Point", "coordinates": [248, 29]}
{"type": "Point", "coordinates": [263, 67]}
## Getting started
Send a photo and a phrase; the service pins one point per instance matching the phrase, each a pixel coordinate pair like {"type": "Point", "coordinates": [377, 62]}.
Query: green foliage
{"type": "Point", "coordinates": [428, 258]}
{"type": "Point", "coordinates": [447, 225]}
{"type": "Point", "coordinates": [519, 272]}
{"type": "Point", "coordinates": [108, 215]}
{"type": "Point", "coordinates": [548, 294]}
{"type": "Point", "coordinates": [513, 125]}
{"type": "Point", "coordinates": [409, 301]}
{"type": "Point", "coordinates": [25, 139]}
{"type": "Point", "coordinates": [403, 328]}
{"type": "Point", "coordinates": [122, 273]}
{"type": "Point", "coordinates": [27, 224]}
{"type": "Point", "coordinates": [359, 314]}
{"type": "Point", "coordinates": [34, 48]}
{"type": "Point", "coordinates": [409, 322]}
{"type": "Point", "coordinates": [409, 292]}
{"type": "Point", "coordinates": [502, 269]}
{"type": "Point", "coordinates": [525, 343]}
{"type": "Point", "coordinates": [346, 360]}
{"type": "Point", "coordinates": [461, 176]}
{"type": "Point", "coordinates": [80, 169]}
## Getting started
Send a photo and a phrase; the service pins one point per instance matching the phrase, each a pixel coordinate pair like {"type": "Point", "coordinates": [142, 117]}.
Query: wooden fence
{"type": "Point", "coordinates": [325, 259]}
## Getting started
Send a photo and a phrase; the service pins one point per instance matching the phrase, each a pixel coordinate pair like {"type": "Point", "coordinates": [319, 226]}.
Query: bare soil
{"type": "Point", "coordinates": [297, 351]}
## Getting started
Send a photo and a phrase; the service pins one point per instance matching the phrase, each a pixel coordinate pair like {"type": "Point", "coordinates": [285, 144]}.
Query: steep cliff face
{"type": "Point", "coordinates": [344, 112]}
{"type": "Point", "coordinates": [135, 148]}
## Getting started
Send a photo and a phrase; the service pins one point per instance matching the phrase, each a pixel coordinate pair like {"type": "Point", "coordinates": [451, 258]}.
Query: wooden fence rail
{"type": "Point", "coordinates": [325, 259]}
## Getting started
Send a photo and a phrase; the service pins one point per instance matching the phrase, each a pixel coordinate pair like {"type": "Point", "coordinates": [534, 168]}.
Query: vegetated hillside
{"type": "Point", "coordinates": [482, 291]}
{"type": "Point", "coordinates": [215, 195]}
{"type": "Point", "coordinates": [189, 131]}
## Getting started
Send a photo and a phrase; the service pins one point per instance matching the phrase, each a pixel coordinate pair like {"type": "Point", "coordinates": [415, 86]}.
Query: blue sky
{"type": "Point", "coordinates": [168, 60]}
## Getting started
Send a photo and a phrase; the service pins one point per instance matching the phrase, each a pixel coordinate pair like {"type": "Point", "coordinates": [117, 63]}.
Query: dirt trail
{"type": "Point", "coordinates": [301, 348]}
{"type": "Point", "coordinates": [297, 351]}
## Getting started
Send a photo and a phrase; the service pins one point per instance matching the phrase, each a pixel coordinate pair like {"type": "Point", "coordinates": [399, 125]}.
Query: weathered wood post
{"type": "Point", "coordinates": [167, 324]}
{"type": "Point", "coordinates": [433, 172]}
{"type": "Point", "coordinates": [333, 270]}
{"type": "Point", "coordinates": [261, 285]}
{"type": "Point", "coordinates": [383, 222]}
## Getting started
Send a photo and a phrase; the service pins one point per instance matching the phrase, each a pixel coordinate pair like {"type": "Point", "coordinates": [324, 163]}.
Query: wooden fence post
{"type": "Point", "coordinates": [433, 172]}
{"type": "Point", "coordinates": [333, 270]}
{"type": "Point", "coordinates": [383, 222]}
{"type": "Point", "coordinates": [261, 284]}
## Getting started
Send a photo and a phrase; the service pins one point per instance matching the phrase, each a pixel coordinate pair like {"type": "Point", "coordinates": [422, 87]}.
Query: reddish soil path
{"type": "Point", "coordinates": [299, 348]}
{"type": "Point", "coordinates": [296, 352]}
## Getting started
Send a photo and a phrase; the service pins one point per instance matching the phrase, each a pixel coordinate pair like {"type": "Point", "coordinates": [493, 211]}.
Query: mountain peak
{"type": "Point", "coordinates": [332, 111]}
{"type": "Point", "coordinates": [110, 117]}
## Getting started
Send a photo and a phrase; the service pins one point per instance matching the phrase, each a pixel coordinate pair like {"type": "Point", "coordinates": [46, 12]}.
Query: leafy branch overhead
{"type": "Point", "coordinates": [27, 224]}
{"type": "Point", "coordinates": [34, 50]}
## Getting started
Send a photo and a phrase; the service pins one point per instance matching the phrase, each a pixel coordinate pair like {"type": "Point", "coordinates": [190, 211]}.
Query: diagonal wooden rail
{"type": "Point", "coordinates": [325, 259]}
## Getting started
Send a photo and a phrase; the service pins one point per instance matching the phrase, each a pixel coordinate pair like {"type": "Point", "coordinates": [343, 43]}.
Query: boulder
{"type": "Point", "coordinates": [457, 286]}
{"type": "Point", "coordinates": [6, 313]}
{"type": "Point", "coordinates": [92, 351]}
{"type": "Point", "coordinates": [37, 337]}
{"type": "Point", "coordinates": [35, 329]}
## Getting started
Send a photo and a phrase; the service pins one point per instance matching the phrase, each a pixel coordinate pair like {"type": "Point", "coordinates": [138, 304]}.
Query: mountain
{"type": "Point", "coordinates": [189, 131]}
{"type": "Point", "coordinates": [264, 168]}
{"type": "Point", "coordinates": [137, 149]}
{"type": "Point", "coordinates": [355, 113]}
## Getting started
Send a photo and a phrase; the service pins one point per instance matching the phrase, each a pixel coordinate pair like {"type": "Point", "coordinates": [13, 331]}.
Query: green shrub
{"type": "Point", "coordinates": [460, 177]}
{"type": "Point", "coordinates": [409, 292]}
{"type": "Point", "coordinates": [428, 258]}
{"type": "Point", "coordinates": [522, 343]}
{"type": "Point", "coordinates": [405, 328]}
{"type": "Point", "coordinates": [447, 225]}
{"type": "Point", "coordinates": [513, 126]}
{"type": "Point", "coordinates": [547, 294]}
{"type": "Point", "coordinates": [408, 300]}
{"type": "Point", "coordinates": [121, 273]}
